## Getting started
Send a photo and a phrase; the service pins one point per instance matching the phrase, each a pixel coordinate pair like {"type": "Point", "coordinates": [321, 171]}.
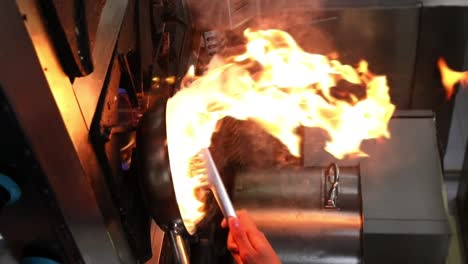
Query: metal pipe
{"type": "Point", "coordinates": [290, 207]}
{"type": "Point", "coordinates": [179, 246]}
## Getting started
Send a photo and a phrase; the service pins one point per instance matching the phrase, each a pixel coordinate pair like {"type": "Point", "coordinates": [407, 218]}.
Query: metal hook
{"type": "Point", "coordinates": [332, 175]}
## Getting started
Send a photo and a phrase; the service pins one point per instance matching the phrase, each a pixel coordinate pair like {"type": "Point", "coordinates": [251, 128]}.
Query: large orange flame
{"type": "Point", "coordinates": [450, 78]}
{"type": "Point", "coordinates": [281, 87]}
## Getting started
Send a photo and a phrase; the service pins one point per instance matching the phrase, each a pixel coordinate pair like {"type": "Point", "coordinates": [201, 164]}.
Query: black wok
{"type": "Point", "coordinates": [155, 176]}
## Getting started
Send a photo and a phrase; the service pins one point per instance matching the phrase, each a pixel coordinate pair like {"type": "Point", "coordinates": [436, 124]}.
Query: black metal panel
{"type": "Point", "coordinates": [402, 249]}
{"type": "Point", "coordinates": [178, 43]}
{"type": "Point", "coordinates": [68, 26]}
{"type": "Point", "coordinates": [108, 134]}
{"type": "Point", "coordinates": [145, 41]}
{"type": "Point", "coordinates": [127, 52]}
{"type": "Point", "coordinates": [442, 34]}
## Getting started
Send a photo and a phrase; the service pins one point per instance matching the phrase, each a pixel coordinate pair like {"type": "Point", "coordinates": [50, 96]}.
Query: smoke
{"type": "Point", "coordinates": [230, 14]}
{"type": "Point", "coordinates": [282, 14]}
{"type": "Point", "coordinates": [221, 15]}
{"type": "Point", "coordinates": [208, 15]}
{"type": "Point", "coordinates": [305, 20]}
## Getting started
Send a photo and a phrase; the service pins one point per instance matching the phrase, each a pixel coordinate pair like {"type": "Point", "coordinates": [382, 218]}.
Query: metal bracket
{"type": "Point", "coordinates": [332, 181]}
{"type": "Point", "coordinates": [211, 41]}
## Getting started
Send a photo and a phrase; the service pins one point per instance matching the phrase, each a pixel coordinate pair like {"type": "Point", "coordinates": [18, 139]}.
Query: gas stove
{"type": "Point", "coordinates": [71, 142]}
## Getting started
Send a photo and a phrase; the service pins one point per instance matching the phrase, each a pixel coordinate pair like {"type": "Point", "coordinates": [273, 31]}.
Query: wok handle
{"type": "Point", "coordinates": [180, 248]}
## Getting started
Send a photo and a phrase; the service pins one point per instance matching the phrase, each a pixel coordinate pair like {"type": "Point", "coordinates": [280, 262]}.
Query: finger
{"type": "Point", "coordinates": [224, 223]}
{"type": "Point", "coordinates": [256, 237]}
{"type": "Point", "coordinates": [239, 235]}
{"type": "Point", "coordinates": [258, 241]}
{"type": "Point", "coordinates": [237, 258]}
{"type": "Point", "coordinates": [231, 245]}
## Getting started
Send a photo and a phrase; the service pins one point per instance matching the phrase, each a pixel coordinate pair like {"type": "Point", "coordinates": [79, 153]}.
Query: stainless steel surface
{"type": "Point", "coordinates": [217, 185]}
{"type": "Point", "coordinates": [287, 205]}
{"type": "Point", "coordinates": [179, 245]}
{"type": "Point", "coordinates": [462, 199]}
{"type": "Point", "coordinates": [88, 89]}
{"type": "Point", "coordinates": [444, 3]}
{"type": "Point", "coordinates": [157, 240]}
{"type": "Point", "coordinates": [417, 175]}
{"type": "Point", "coordinates": [43, 100]}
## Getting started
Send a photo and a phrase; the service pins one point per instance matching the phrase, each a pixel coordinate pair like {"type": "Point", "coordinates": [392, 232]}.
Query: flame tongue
{"type": "Point", "coordinates": [450, 78]}
{"type": "Point", "coordinates": [281, 87]}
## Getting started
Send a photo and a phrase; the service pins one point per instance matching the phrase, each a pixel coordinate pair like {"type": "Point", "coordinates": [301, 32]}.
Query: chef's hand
{"type": "Point", "coordinates": [247, 244]}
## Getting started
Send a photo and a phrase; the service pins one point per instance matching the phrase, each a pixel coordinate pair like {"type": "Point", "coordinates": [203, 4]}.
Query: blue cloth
{"type": "Point", "coordinates": [122, 91]}
{"type": "Point", "coordinates": [12, 188]}
{"type": "Point", "coordinates": [37, 260]}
